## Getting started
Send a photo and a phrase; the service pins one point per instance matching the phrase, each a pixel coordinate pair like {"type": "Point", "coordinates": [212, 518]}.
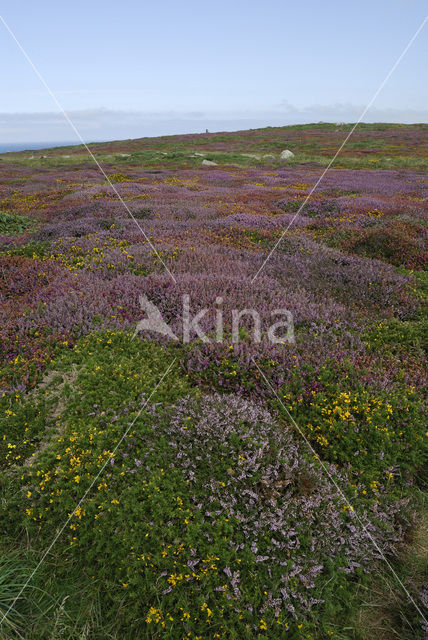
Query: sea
{"type": "Point", "coordinates": [6, 147]}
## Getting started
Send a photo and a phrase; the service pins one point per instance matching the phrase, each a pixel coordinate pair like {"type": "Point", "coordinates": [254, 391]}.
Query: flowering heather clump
{"type": "Point", "coordinates": [262, 222]}
{"type": "Point", "coordinates": [399, 244]}
{"type": "Point", "coordinates": [384, 183]}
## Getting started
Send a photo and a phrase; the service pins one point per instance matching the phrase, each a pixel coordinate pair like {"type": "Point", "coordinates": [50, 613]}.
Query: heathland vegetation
{"type": "Point", "coordinates": [215, 489]}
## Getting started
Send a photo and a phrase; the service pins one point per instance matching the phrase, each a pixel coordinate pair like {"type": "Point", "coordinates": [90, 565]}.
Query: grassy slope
{"type": "Point", "coordinates": [378, 146]}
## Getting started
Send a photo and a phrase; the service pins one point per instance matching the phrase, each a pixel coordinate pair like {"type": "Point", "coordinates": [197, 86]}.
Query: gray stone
{"type": "Point", "coordinates": [286, 155]}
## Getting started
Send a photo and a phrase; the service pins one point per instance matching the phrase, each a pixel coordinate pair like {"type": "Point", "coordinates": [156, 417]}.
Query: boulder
{"type": "Point", "coordinates": [286, 155]}
{"type": "Point", "coordinates": [209, 163]}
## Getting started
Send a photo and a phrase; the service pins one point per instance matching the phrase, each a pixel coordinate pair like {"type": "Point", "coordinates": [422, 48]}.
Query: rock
{"type": "Point", "coordinates": [268, 156]}
{"type": "Point", "coordinates": [199, 154]}
{"type": "Point", "coordinates": [209, 163]}
{"type": "Point", "coordinates": [286, 155]}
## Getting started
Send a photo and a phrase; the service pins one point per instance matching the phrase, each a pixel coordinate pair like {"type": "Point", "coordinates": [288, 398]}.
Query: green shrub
{"type": "Point", "coordinates": [379, 436]}
{"type": "Point", "coordinates": [394, 335]}
{"type": "Point", "coordinates": [13, 223]}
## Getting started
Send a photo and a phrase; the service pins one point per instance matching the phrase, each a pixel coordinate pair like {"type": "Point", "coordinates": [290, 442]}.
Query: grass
{"type": "Point", "coordinates": [56, 602]}
{"type": "Point", "coordinates": [385, 612]}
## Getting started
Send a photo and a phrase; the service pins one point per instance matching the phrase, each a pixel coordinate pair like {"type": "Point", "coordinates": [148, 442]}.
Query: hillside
{"type": "Point", "coordinates": [226, 478]}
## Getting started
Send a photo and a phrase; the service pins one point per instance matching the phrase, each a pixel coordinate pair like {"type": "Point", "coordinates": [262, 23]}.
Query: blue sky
{"type": "Point", "coordinates": [125, 69]}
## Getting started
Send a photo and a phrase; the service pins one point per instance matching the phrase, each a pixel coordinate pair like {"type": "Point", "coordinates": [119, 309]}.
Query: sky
{"type": "Point", "coordinates": [137, 68]}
